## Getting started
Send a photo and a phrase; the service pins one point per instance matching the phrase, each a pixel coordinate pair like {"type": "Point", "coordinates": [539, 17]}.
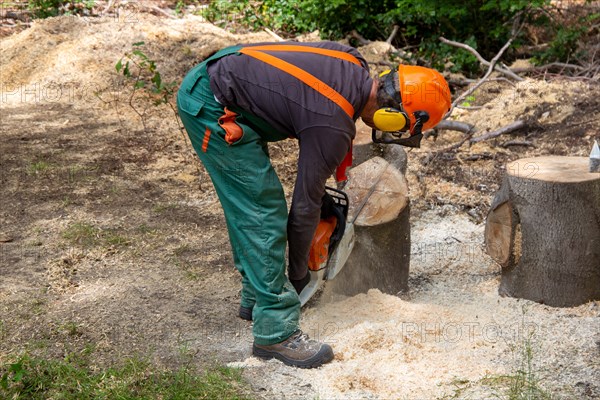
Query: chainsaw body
{"type": "Point", "coordinates": [332, 244]}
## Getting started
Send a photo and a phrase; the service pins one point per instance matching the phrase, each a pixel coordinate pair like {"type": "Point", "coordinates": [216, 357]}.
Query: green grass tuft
{"type": "Point", "coordinates": [82, 233]}
{"type": "Point", "coordinates": [74, 379]}
{"type": "Point", "coordinates": [38, 168]}
{"type": "Point", "coordinates": [88, 235]}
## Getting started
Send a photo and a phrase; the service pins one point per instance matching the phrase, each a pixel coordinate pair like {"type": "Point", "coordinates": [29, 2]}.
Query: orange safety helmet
{"type": "Point", "coordinates": [420, 93]}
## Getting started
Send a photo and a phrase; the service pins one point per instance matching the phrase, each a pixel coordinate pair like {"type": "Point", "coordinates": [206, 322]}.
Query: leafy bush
{"type": "Point", "coordinates": [568, 37]}
{"type": "Point", "coordinates": [483, 24]}
{"type": "Point", "coordinates": [52, 8]}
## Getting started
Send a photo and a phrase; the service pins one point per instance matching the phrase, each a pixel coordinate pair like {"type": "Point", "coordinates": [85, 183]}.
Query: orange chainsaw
{"type": "Point", "coordinates": [332, 243]}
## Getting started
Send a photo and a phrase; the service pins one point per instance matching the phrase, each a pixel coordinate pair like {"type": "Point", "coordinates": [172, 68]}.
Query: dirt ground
{"type": "Point", "coordinates": [112, 236]}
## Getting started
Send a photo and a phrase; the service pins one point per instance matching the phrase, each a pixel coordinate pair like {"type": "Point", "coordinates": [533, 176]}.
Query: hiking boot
{"type": "Point", "coordinates": [245, 313]}
{"type": "Point", "coordinates": [297, 351]}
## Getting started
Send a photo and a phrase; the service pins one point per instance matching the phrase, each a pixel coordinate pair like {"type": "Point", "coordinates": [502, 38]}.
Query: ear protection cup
{"type": "Point", "coordinates": [390, 120]}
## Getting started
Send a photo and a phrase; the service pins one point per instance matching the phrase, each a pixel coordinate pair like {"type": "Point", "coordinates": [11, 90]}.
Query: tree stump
{"type": "Point", "coordinates": [381, 254]}
{"type": "Point", "coordinates": [544, 230]}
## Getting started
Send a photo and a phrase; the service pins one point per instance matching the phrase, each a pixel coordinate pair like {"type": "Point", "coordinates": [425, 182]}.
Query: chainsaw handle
{"type": "Point", "coordinates": [340, 227]}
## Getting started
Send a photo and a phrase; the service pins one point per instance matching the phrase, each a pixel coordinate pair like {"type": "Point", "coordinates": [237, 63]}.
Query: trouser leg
{"type": "Point", "coordinates": [248, 296]}
{"type": "Point", "coordinates": [256, 215]}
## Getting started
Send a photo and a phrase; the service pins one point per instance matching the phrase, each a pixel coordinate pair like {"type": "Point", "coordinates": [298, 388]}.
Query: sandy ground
{"type": "Point", "coordinates": [116, 231]}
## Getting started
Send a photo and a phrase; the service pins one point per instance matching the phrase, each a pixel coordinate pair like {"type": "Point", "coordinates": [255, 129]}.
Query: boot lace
{"type": "Point", "coordinates": [297, 340]}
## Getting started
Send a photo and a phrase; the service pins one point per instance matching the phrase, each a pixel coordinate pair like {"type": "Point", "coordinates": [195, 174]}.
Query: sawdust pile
{"type": "Point", "coordinates": [545, 102]}
{"type": "Point", "coordinates": [67, 59]}
{"type": "Point", "coordinates": [453, 335]}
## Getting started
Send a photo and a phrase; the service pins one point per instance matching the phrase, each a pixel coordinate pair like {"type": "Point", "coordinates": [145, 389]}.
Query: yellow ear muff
{"type": "Point", "coordinates": [390, 120]}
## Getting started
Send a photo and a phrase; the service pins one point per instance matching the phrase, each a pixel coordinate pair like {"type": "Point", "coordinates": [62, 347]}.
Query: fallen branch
{"type": "Point", "coordinates": [26, 24]}
{"type": "Point", "coordinates": [361, 39]}
{"type": "Point", "coordinates": [517, 143]}
{"type": "Point", "coordinates": [470, 108]}
{"type": "Point", "coordinates": [156, 9]}
{"type": "Point", "coordinates": [393, 34]}
{"type": "Point", "coordinates": [584, 122]}
{"type": "Point", "coordinates": [453, 147]}
{"type": "Point", "coordinates": [503, 70]}
{"type": "Point", "coordinates": [455, 126]}
{"type": "Point", "coordinates": [505, 129]}
{"type": "Point", "coordinates": [275, 36]}
{"type": "Point", "coordinates": [383, 62]}
{"type": "Point", "coordinates": [108, 7]}
{"type": "Point", "coordinates": [467, 82]}
{"type": "Point", "coordinates": [549, 66]}
{"type": "Point", "coordinates": [476, 157]}
{"type": "Point", "coordinates": [482, 80]}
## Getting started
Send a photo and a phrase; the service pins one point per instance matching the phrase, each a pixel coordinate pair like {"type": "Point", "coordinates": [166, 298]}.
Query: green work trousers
{"type": "Point", "coordinates": [254, 205]}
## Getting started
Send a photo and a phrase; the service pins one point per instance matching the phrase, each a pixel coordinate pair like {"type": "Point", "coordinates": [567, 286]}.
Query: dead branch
{"type": "Point", "coordinates": [361, 39]}
{"type": "Point", "coordinates": [448, 149]}
{"type": "Point", "coordinates": [550, 66]}
{"type": "Point", "coordinates": [466, 81]}
{"type": "Point", "coordinates": [470, 108]}
{"type": "Point", "coordinates": [108, 7]}
{"type": "Point", "coordinates": [156, 9]}
{"type": "Point", "coordinates": [482, 80]}
{"type": "Point", "coordinates": [460, 82]}
{"type": "Point", "coordinates": [275, 36]}
{"type": "Point", "coordinates": [584, 122]}
{"type": "Point", "coordinates": [25, 24]}
{"type": "Point", "coordinates": [505, 129]}
{"type": "Point", "coordinates": [518, 143]}
{"type": "Point", "coordinates": [466, 47]}
{"type": "Point", "coordinates": [476, 157]}
{"type": "Point", "coordinates": [503, 70]}
{"type": "Point", "coordinates": [383, 62]}
{"type": "Point", "coordinates": [393, 34]}
{"type": "Point", "coordinates": [455, 126]}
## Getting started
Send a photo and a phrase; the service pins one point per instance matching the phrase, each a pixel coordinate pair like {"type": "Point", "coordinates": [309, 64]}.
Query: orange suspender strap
{"type": "Point", "coordinates": [310, 80]}
{"type": "Point", "coordinates": [342, 55]}
{"type": "Point", "coordinates": [303, 76]}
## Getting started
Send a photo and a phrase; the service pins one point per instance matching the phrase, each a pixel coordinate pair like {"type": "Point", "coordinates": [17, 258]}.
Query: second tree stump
{"type": "Point", "coordinates": [544, 230]}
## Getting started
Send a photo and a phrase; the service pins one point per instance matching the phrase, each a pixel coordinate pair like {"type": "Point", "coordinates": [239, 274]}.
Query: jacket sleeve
{"type": "Point", "coordinates": [322, 149]}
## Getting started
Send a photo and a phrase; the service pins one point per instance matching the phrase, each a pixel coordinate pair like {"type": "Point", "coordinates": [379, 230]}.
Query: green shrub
{"type": "Point", "coordinates": [52, 8]}
{"type": "Point", "coordinates": [567, 37]}
{"type": "Point", "coordinates": [484, 24]}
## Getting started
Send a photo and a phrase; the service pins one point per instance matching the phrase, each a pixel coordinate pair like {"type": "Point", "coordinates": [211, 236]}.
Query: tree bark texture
{"type": "Point", "coordinates": [544, 230]}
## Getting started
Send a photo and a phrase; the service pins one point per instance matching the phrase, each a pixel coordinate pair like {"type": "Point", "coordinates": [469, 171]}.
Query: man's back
{"type": "Point", "coordinates": [281, 99]}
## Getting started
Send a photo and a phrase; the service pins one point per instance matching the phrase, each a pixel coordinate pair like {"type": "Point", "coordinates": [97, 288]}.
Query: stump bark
{"type": "Point", "coordinates": [544, 230]}
{"type": "Point", "coordinates": [381, 255]}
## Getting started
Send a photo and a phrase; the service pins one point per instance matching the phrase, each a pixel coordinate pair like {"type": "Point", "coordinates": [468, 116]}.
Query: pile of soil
{"type": "Point", "coordinates": [115, 229]}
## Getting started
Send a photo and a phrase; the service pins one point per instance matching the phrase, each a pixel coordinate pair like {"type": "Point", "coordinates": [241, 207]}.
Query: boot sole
{"type": "Point", "coordinates": [323, 356]}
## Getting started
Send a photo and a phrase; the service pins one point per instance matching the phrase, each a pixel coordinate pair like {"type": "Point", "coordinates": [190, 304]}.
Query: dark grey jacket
{"type": "Point", "coordinates": [323, 129]}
